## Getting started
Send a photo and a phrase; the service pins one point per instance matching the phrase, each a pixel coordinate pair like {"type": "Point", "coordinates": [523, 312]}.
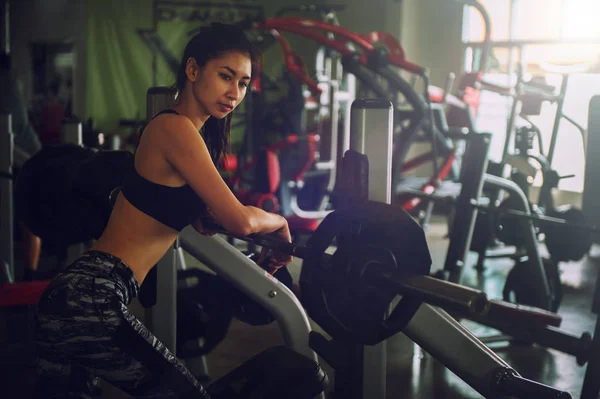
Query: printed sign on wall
{"type": "Point", "coordinates": [175, 22]}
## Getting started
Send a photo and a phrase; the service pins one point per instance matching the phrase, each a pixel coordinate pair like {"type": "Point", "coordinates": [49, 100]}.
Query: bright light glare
{"type": "Point", "coordinates": [581, 19]}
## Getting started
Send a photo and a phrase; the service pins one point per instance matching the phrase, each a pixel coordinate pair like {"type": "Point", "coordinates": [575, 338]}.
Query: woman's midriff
{"type": "Point", "coordinates": [135, 238]}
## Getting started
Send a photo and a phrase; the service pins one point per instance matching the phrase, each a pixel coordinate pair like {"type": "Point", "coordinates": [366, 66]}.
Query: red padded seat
{"type": "Point", "coordinates": [22, 293]}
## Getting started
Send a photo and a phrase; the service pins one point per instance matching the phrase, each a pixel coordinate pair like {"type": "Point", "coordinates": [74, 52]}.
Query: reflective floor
{"type": "Point", "coordinates": [412, 373]}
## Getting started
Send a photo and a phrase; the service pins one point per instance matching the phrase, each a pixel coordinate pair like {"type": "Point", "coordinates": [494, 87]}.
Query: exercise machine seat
{"type": "Point", "coordinates": [22, 293]}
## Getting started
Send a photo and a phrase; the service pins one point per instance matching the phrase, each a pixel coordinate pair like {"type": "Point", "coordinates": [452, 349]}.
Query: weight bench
{"type": "Point", "coordinates": [22, 293]}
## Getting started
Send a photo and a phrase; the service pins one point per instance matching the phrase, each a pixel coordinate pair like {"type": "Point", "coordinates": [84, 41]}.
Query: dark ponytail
{"type": "Point", "coordinates": [211, 42]}
{"type": "Point", "coordinates": [216, 135]}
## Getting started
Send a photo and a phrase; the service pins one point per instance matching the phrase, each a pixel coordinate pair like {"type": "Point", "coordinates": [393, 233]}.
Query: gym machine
{"type": "Point", "coordinates": [11, 156]}
{"type": "Point", "coordinates": [591, 192]}
{"type": "Point", "coordinates": [432, 329]}
{"type": "Point", "coordinates": [525, 154]}
{"type": "Point", "coordinates": [305, 187]}
{"type": "Point", "coordinates": [591, 382]}
{"type": "Point", "coordinates": [425, 325]}
{"type": "Point", "coordinates": [533, 285]}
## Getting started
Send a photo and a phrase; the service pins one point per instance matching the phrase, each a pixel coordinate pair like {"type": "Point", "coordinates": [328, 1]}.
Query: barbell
{"type": "Point", "coordinates": [377, 276]}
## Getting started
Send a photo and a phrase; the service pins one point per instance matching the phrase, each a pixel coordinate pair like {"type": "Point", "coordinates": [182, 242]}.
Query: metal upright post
{"type": "Point", "coordinates": [591, 209]}
{"type": "Point", "coordinates": [6, 194]}
{"type": "Point", "coordinates": [5, 26]}
{"type": "Point", "coordinates": [473, 168]}
{"type": "Point", "coordinates": [163, 315]}
{"type": "Point", "coordinates": [591, 192]}
{"type": "Point", "coordinates": [371, 133]}
{"type": "Point", "coordinates": [71, 132]}
{"type": "Point", "coordinates": [557, 118]}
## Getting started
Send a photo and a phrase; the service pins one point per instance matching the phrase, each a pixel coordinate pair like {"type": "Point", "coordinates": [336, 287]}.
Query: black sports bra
{"type": "Point", "coordinates": [175, 207]}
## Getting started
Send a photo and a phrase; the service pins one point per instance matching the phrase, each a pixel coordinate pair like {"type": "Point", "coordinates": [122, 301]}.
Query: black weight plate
{"type": "Point", "coordinates": [369, 236]}
{"type": "Point", "coordinates": [518, 285]}
{"type": "Point", "coordinates": [567, 243]}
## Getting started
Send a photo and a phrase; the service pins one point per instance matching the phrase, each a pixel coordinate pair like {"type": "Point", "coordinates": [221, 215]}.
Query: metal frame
{"type": "Point", "coordinates": [371, 129]}
{"type": "Point", "coordinates": [11, 155]}
{"type": "Point", "coordinates": [453, 345]}
{"type": "Point", "coordinates": [233, 266]}
{"type": "Point", "coordinates": [559, 99]}
{"type": "Point", "coordinates": [473, 180]}
{"type": "Point", "coordinates": [591, 192]}
{"type": "Point", "coordinates": [6, 194]}
{"type": "Point", "coordinates": [517, 50]}
{"type": "Point", "coordinates": [330, 80]}
{"type": "Point", "coordinates": [474, 164]}
{"type": "Point", "coordinates": [433, 329]}
{"type": "Point", "coordinates": [591, 382]}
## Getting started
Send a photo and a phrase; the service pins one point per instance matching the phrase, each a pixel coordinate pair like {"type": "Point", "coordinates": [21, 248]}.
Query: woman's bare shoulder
{"type": "Point", "coordinates": [171, 123]}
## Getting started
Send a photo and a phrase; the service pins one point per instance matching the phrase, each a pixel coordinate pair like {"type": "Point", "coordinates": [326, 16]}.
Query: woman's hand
{"type": "Point", "coordinates": [204, 223]}
{"type": "Point", "coordinates": [277, 259]}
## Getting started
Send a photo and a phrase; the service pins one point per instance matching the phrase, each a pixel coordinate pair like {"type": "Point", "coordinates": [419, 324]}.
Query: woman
{"type": "Point", "coordinates": [84, 328]}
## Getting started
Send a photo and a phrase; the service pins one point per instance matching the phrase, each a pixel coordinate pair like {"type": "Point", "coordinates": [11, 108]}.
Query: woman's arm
{"type": "Point", "coordinates": [186, 151]}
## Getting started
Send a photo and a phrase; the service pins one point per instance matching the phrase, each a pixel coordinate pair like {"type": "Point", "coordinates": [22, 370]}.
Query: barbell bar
{"type": "Point", "coordinates": [450, 296]}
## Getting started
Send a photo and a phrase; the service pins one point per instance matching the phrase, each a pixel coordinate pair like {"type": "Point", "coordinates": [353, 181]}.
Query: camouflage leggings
{"type": "Point", "coordinates": [85, 331]}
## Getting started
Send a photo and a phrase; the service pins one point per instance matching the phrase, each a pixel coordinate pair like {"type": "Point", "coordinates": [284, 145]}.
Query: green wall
{"type": "Point", "coordinates": [114, 67]}
{"type": "Point", "coordinates": [120, 69]}
{"type": "Point", "coordinates": [431, 33]}
{"type": "Point", "coordinates": [120, 66]}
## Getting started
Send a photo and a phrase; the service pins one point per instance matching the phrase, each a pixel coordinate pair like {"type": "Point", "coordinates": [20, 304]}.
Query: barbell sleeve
{"type": "Point", "coordinates": [433, 291]}
{"type": "Point", "coordinates": [522, 314]}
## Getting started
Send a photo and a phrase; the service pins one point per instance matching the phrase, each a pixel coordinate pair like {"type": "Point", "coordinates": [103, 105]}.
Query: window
{"type": "Point", "coordinates": [499, 10]}
{"type": "Point", "coordinates": [580, 19]}
{"type": "Point", "coordinates": [542, 36]}
{"type": "Point", "coordinates": [536, 19]}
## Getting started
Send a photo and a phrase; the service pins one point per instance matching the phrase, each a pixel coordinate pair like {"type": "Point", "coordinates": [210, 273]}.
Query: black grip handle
{"type": "Point", "coordinates": [261, 240]}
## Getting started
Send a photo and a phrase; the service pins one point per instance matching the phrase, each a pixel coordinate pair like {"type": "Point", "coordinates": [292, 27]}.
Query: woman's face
{"type": "Point", "coordinates": [221, 84]}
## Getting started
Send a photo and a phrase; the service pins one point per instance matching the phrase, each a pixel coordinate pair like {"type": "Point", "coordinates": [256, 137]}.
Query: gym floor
{"type": "Point", "coordinates": [412, 373]}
